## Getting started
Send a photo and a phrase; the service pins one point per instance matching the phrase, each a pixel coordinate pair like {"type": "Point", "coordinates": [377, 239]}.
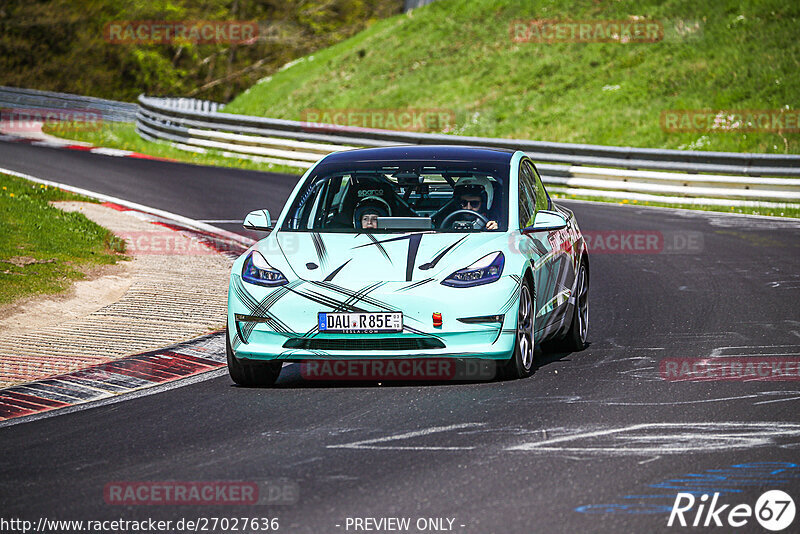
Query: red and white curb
{"type": "Point", "coordinates": [54, 142]}
{"type": "Point", "coordinates": [139, 374]}
{"type": "Point", "coordinates": [115, 378]}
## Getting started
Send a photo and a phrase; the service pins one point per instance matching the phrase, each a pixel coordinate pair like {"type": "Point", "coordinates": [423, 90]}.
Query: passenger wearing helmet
{"type": "Point", "coordinates": [473, 193]}
{"type": "Point", "coordinates": [366, 213]}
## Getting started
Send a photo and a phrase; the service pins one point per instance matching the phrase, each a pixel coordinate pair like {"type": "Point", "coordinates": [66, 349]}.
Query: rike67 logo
{"type": "Point", "coordinates": [774, 511]}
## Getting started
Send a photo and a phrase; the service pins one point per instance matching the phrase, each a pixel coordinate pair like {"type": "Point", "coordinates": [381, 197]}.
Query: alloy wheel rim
{"type": "Point", "coordinates": [583, 305]}
{"type": "Point", "coordinates": [524, 324]}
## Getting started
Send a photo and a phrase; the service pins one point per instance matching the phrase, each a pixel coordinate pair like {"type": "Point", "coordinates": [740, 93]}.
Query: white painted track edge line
{"type": "Point", "coordinates": [191, 223]}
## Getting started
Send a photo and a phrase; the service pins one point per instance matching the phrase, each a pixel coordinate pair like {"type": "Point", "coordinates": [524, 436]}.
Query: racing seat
{"type": "Point", "coordinates": [365, 186]}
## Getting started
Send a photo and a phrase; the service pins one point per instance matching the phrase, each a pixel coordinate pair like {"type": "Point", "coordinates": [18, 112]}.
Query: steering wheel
{"type": "Point", "coordinates": [478, 217]}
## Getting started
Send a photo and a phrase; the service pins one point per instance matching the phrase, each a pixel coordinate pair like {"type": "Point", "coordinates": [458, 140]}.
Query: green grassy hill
{"type": "Point", "coordinates": [459, 55]}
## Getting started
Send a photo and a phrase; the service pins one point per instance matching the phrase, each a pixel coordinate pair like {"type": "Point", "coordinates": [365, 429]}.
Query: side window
{"type": "Point", "coordinates": [314, 214]}
{"type": "Point", "coordinates": [542, 198]}
{"type": "Point", "coordinates": [526, 199]}
{"type": "Point", "coordinates": [305, 205]}
{"type": "Point", "coordinates": [312, 208]}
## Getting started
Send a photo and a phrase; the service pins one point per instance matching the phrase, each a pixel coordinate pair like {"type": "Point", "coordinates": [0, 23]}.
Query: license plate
{"type": "Point", "coordinates": [360, 323]}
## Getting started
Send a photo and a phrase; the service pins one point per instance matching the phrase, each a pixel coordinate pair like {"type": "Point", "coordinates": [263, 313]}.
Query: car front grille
{"type": "Point", "coordinates": [344, 344]}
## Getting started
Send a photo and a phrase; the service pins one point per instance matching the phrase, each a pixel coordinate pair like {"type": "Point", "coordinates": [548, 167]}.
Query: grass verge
{"type": "Point", "coordinates": [773, 212]}
{"type": "Point", "coordinates": [461, 56]}
{"type": "Point", "coordinates": [44, 249]}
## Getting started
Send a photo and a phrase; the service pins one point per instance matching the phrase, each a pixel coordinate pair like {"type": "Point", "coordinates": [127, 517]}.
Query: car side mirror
{"type": "Point", "coordinates": [258, 220]}
{"type": "Point", "coordinates": [546, 221]}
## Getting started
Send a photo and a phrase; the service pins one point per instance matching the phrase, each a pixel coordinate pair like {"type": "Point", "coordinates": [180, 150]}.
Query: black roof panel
{"type": "Point", "coordinates": [423, 153]}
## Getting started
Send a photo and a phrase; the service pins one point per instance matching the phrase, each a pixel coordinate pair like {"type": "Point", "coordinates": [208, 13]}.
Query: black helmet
{"type": "Point", "coordinates": [370, 206]}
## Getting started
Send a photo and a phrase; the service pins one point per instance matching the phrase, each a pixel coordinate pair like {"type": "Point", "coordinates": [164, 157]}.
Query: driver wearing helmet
{"type": "Point", "coordinates": [472, 194]}
{"type": "Point", "coordinates": [366, 213]}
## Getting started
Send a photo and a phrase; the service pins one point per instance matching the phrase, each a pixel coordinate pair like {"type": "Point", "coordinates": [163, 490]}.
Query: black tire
{"type": "Point", "coordinates": [251, 374]}
{"type": "Point", "coordinates": [575, 338]}
{"type": "Point", "coordinates": [520, 365]}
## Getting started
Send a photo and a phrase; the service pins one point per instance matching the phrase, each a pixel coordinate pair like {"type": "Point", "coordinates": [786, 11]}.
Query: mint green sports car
{"type": "Point", "coordinates": [410, 252]}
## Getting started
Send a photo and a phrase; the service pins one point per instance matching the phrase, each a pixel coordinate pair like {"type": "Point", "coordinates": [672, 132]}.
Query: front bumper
{"type": "Point", "coordinates": [281, 323]}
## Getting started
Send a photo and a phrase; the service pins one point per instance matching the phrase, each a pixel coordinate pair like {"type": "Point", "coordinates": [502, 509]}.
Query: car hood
{"type": "Point", "coordinates": [343, 258]}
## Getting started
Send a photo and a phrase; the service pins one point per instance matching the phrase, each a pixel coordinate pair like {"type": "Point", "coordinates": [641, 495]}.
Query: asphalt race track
{"type": "Point", "coordinates": [594, 441]}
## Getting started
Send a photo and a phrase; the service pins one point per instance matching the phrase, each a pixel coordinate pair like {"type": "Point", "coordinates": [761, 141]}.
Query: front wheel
{"type": "Point", "coordinates": [251, 374]}
{"type": "Point", "coordinates": [520, 365]}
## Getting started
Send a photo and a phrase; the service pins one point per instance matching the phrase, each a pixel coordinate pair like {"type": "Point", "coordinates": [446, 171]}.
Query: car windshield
{"type": "Point", "coordinates": [402, 196]}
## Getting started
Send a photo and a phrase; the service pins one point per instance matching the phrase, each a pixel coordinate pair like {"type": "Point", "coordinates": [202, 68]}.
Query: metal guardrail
{"type": "Point", "coordinates": [110, 110]}
{"type": "Point", "coordinates": [198, 125]}
{"type": "Point", "coordinates": [574, 154]}
{"type": "Point", "coordinates": [733, 179]}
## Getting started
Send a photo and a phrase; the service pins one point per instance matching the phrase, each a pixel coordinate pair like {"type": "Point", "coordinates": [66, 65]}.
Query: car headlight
{"type": "Point", "coordinates": [258, 271]}
{"type": "Point", "coordinates": [484, 271]}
